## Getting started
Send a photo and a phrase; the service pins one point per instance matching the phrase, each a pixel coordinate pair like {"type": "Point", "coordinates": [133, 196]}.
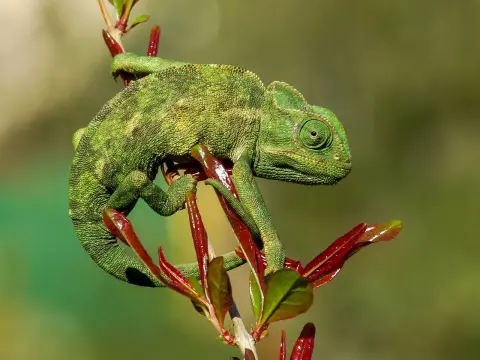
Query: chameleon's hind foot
{"type": "Point", "coordinates": [176, 194]}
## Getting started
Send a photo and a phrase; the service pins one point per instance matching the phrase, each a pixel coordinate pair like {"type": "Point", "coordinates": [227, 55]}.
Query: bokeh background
{"type": "Point", "coordinates": [403, 76]}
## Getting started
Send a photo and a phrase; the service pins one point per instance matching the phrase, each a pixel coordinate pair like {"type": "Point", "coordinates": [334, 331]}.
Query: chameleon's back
{"type": "Point", "coordinates": [166, 114]}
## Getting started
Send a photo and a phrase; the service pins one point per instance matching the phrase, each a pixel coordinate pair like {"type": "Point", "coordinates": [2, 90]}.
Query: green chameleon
{"type": "Point", "coordinates": [266, 131]}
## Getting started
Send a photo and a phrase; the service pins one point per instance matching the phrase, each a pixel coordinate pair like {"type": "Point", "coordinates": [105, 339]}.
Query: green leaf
{"type": "Point", "coordinates": [287, 295]}
{"type": "Point", "coordinates": [382, 232]}
{"type": "Point", "coordinates": [219, 288]}
{"type": "Point", "coordinates": [118, 6]}
{"type": "Point", "coordinates": [256, 296]}
{"type": "Point", "coordinates": [139, 19]}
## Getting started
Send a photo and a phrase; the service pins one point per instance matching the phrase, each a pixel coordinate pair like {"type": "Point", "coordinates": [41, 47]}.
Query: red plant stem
{"type": "Point", "coordinates": [303, 349]}
{"type": "Point", "coordinates": [213, 168]}
{"type": "Point", "coordinates": [283, 347]}
{"type": "Point", "coordinates": [179, 282]}
{"type": "Point", "coordinates": [115, 49]}
{"type": "Point", "coordinates": [154, 41]}
{"type": "Point", "coordinates": [112, 45]}
{"type": "Point", "coordinates": [121, 24]}
{"type": "Point", "coordinates": [259, 332]}
{"type": "Point", "coordinates": [112, 227]}
{"type": "Point", "coordinates": [199, 236]}
{"type": "Point", "coordinates": [121, 227]}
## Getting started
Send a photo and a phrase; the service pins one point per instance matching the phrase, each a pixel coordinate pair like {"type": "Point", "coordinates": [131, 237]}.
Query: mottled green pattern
{"type": "Point", "coordinates": [162, 116]}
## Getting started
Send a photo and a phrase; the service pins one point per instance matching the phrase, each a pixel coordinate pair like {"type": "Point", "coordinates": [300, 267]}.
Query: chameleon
{"type": "Point", "coordinates": [266, 131]}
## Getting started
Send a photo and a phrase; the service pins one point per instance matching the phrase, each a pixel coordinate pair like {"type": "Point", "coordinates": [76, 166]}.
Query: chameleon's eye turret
{"type": "Point", "coordinates": [315, 134]}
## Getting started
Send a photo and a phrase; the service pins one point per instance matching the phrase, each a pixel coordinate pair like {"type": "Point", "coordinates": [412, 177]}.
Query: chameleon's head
{"type": "Point", "coordinates": [299, 142]}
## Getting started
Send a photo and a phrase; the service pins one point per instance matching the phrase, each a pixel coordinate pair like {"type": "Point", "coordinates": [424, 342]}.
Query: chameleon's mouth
{"type": "Point", "coordinates": [302, 168]}
{"type": "Point", "coordinates": [344, 165]}
{"type": "Point", "coordinates": [287, 173]}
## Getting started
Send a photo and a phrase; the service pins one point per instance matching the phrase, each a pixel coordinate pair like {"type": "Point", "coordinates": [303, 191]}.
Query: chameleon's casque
{"type": "Point", "coordinates": [270, 132]}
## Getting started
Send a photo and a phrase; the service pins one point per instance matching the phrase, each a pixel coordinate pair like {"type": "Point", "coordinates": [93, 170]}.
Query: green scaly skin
{"type": "Point", "coordinates": [267, 131]}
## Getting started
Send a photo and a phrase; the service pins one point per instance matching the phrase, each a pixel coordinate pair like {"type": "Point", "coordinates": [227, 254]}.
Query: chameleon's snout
{"type": "Point", "coordinates": [339, 171]}
{"type": "Point", "coordinates": [343, 161]}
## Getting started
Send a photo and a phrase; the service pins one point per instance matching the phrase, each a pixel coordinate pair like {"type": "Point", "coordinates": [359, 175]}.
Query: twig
{"type": "Point", "coordinates": [111, 30]}
{"type": "Point", "coordinates": [243, 339]}
{"type": "Point", "coordinates": [105, 15]}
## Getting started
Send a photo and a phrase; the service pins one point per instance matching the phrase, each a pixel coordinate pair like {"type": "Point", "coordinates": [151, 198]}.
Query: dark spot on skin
{"type": "Point", "coordinates": [135, 132]}
{"type": "Point", "coordinates": [136, 277]}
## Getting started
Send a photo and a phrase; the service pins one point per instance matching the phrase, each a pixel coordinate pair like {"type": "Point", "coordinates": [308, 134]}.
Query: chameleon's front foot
{"type": "Point", "coordinates": [176, 194]}
{"type": "Point", "coordinates": [137, 185]}
{"type": "Point", "coordinates": [275, 254]}
{"type": "Point", "coordinates": [253, 202]}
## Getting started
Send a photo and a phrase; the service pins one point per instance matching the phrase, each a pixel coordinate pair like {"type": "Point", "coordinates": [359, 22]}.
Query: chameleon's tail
{"type": "Point", "coordinates": [112, 258]}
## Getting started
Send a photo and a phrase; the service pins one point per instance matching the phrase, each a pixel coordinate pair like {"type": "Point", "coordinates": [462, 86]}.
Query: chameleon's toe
{"type": "Point", "coordinates": [275, 254]}
{"type": "Point", "coordinates": [177, 191]}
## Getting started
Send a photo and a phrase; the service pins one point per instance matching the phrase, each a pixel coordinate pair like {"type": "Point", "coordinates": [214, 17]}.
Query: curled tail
{"type": "Point", "coordinates": [107, 253]}
{"type": "Point", "coordinates": [88, 199]}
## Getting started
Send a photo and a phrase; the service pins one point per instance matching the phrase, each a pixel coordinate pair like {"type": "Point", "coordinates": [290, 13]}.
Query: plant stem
{"type": "Point", "coordinates": [243, 339]}
{"type": "Point", "coordinates": [105, 15]}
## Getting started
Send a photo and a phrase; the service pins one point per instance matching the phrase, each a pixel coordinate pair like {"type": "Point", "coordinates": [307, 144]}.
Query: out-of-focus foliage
{"type": "Point", "coordinates": [402, 76]}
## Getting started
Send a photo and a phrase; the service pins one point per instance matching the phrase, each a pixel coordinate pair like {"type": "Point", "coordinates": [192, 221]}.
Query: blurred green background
{"type": "Point", "coordinates": [403, 76]}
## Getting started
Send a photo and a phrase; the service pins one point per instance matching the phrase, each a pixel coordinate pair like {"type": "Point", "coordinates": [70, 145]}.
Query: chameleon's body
{"type": "Point", "coordinates": [269, 132]}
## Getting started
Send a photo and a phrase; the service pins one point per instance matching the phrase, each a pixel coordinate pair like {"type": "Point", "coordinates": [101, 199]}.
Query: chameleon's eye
{"type": "Point", "coordinates": [315, 134]}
